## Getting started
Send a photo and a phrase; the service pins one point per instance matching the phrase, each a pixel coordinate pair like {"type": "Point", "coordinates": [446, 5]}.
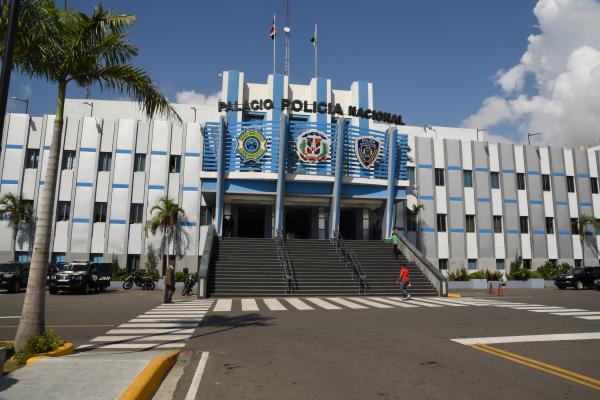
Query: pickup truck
{"type": "Point", "coordinates": [13, 276]}
{"type": "Point", "coordinates": [81, 276]}
{"type": "Point", "coordinates": [579, 278]}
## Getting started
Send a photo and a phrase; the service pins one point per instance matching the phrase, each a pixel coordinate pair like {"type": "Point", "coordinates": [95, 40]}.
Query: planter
{"type": "Point", "coordinates": [549, 284]}
{"type": "Point", "coordinates": [535, 283]}
{"type": "Point", "coordinates": [2, 359]}
{"type": "Point", "coordinates": [517, 285]}
{"type": "Point", "coordinates": [459, 285]}
{"type": "Point", "coordinates": [63, 350]}
{"type": "Point", "coordinates": [478, 283]}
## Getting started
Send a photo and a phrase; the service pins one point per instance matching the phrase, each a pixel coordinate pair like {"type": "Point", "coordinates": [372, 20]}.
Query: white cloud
{"type": "Point", "coordinates": [193, 97]}
{"type": "Point", "coordinates": [564, 60]}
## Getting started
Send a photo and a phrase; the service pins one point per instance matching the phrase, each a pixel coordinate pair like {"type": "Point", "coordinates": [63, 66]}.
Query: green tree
{"type": "Point", "coordinates": [167, 217]}
{"type": "Point", "coordinates": [416, 210]}
{"type": "Point", "coordinates": [19, 214]}
{"type": "Point", "coordinates": [151, 258]}
{"type": "Point", "coordinates": [64, 46]}
{"type": "Point", "coordinates": [583, 222]}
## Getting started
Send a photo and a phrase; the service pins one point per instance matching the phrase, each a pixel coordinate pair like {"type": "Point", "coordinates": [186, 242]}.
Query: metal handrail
{"type": "Point", "coordinates": [351, 262]}
{"type": "Point", "coordinates": [284, 259]}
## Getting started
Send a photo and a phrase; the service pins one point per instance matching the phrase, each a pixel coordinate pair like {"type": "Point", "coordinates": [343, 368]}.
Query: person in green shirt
{"type": "Point", "coordinates": [395, 243]}
{"type": "Point", "coordinates": [169, 283]}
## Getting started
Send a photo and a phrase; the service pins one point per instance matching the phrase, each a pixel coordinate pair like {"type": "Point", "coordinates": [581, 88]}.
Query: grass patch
{"type": "Point", "coordinates": [43, 343]}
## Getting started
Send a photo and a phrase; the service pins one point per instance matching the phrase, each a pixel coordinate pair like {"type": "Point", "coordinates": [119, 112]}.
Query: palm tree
{"type": "Point", "coordinates": [416, 210]}
{"type": "Point", "coordinates": [167, 217]}
{"type": "Point", "coordinates": [582, 222]}
{"type": "Point", "coordinates": [19, 214]}
{"type": "Point", "coordinates": [65, 47]}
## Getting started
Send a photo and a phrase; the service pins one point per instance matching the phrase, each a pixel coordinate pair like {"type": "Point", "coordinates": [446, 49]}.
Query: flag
{"type": "Point", "coordinates": [272, 31]}
{"type": "Point", "coordinates": [313, 39]}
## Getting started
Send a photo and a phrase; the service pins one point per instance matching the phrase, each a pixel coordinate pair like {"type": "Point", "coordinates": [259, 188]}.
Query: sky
{"type": "Point", "coordinates": [512, 66]}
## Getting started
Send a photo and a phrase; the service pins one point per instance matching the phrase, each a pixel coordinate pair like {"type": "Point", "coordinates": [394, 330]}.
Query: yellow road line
{"type": "Point", "coordinates": [65, 326]}
{"type": "Point", "coordinates": [544, 367]}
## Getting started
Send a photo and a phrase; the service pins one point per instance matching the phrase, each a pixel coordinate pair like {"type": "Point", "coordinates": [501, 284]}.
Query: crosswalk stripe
{"type": "Point", "coordinates": [346, 303]}
{"type": "Point", "coordinates": [564, 309]}
{"type": "Point", "coordinates": [591, 317]}
{"type": "Point", "coordinates": [577, 313]}
{"type": "Point", "coordinates": [140, 338]}
{"type": "Point", "coordinates": [543, 309]}
{"type": "Point", "coordinates": [166, 320]}
{"type": "Point", "coordinates": [181, 309]}
{"type": "Point", "coordinates": [223, 305]}
{"type": "Point", "coordinates": [424, 303]}
{"type": "Point", "coordinates": [153, 315]}
{"type": "Point", "coordinates": [249, 305]}
{"type": "Point", "coordinates": [160, 325]}
{"type": "Point", "coordinates": [397, 303]}
{"type": "Point", "coordinates": [298, 304]}
{"type": "Point", "coordinates": [444, 303]}
{"type": "Point", "coordinates": [518, 305]}
{"type": "Point", "coordinates": [274, 305]}
{"type": "Point", "coordinates": [323, 304]}
{"type": "Point", "coordinates": [163, 338]}
{"type": "Point", "coordinates": [532, 307]}
{"type": "Point", "coordinates": [147, 331]}
{"type": "Point", "coordinates": [113, 338]}
{"type": "Point", "coordinates": [369, 302]}
{"type": "Point", "coordinates": [136, 346]}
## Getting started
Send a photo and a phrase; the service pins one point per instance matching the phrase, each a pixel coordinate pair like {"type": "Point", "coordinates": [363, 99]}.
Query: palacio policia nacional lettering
{"type": "Point", "coordinates": [305, 161]}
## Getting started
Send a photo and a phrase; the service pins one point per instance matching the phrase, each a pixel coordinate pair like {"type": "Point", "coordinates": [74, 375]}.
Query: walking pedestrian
{"type": "Point", "coordinates": [395, 243]}
{"type": "Point", "coordinates": [169, 283]}
{"type": "Point", "coordinates": [404, 281]}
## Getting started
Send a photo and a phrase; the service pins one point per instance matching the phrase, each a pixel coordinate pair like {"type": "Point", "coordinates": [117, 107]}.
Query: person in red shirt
{"type": "Point", "coordinates": [404, 280]}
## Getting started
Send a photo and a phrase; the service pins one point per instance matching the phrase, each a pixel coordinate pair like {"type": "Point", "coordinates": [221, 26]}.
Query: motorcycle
{"type": "Point", "coordinates": [145, 282]}
{"type": "Point", "coordinates": [189, 283]}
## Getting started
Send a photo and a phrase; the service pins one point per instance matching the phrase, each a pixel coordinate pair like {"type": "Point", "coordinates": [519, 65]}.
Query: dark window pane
{"type": "Point", "coordinates": [443, 264]}
{"type": "Point", "coordinates": [68, 160]}
{"type": "Point", "coordinates": [546, 183]}
{"type": "Point", "coordinates": [139, 163]}
{"type": "Point", "coordinates": [468, 178]}
{"type": "Point", "coordinates": [439, 177]}
{"type": "Point", "coordinates": [174, 164]}
{"type": "Point", "coordinates": [570, 184]}
{"type": "Point", "coordinates": [495, 180]}
{"type": "Point", "coordinates": [524, 224]}
{"type": "Point", "coordinates": [497, 224]}
{"type": "Point", "coordinates": [104, 161]}
{"type": "Point", "coordinates": [441, 222]}
{"type": "Point", "coordinates": [470, 223]}
{"type": "Point", "coordinates": [32, 158]}
{"type": "Point", "coordinates": [520, 181]}
{"type": "Point", "coordinates": [549, 225]}
{"type": "Point", "coordinates": [594, 183]}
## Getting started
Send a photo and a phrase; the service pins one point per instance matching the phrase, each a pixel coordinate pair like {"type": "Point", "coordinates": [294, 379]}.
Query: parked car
{"type": "Point", "coordinates": [597, 284]}
{"type": "Point", "coordinates": [54, 269]}
{"type": "Point", "coordinates": [13, 276]}
{"type": "Point", "coordinates": [578, 278]}
{"type": "Point", "coordinates": [81, 276]}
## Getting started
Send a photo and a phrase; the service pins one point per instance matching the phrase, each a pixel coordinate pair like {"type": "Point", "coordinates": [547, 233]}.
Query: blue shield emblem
{"type": "Point", "coordinates": [367, 150]}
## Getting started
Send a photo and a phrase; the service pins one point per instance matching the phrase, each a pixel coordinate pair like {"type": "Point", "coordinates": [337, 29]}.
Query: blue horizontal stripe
{"type": "Point", "coordinates": [9, 182]}
{"type": "Point", "coordinates": [538, 232]}
{"type": "Point", "coordinates": [512, 231]}
{"type": "Point", "coordinates": [120, 185]}
{"type": "Point", "coordinates": [563, 232]}
{"type": "Point", "coordinates": [425, 166]}
{"type": "Point", "coordinates": [46, 147]}
{"type": "Point", "coordinates": [429, 230]}
{"type": "Point", "coordinates": [14, 146]}
{"type": "Point", "coordinates": [190, 188]}
{"type": "Point", "coordinates": [561, 203]}
{"type": "Point", "coordinates": [508, 171]}
{"type": "Point", "coordinates": [457, 230]}
{"type": "Point", "coordinates": [582, 175]}
{"type": "Point", "coordinates": [81, 220]}
{"type": "Point", "coordinates": [452, 198]}
{"type": "Point", "coordinates": [158, 153]}
{"type": "Point", "coordinates": [426, 197]}
{"type": "Point", "coordinates": [454, 168]}
{"type": "Point", "coordinates": [585, 204]}
{"type": "Point", "coordinates": [123, 151]}
{"type": "Point", "coordinates": [87, 150]}
{"type": "Point", "coordinates": [188, 223]}
{"type": "Point", "coordinates": [192, 154]}
{"type": "Point", "coordinates": [485, 231]}
{"type": "Point", "coordinates": [559, 173]}
{"type": "Point", "coordinates": [533, 173]}
{"type": "Point", "coordinates": [42, 183]}
{"type": "Point", "coordinates": [536, 202]}
{"type": "Point", "coordinates": [84, 184]}
{"type": "Point", "coordinates": [118, 221]}
{"type": "Point", "coordinates": [156, 187]}
{"type": "Point", "coordinates": [510, 201]}
{"type": "Point", "coordinates": [483, 199]}
{"type": "Point", "coordinates": [480, 169]}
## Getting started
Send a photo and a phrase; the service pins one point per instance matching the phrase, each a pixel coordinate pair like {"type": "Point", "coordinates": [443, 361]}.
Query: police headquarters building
{"type": "Point", "coordinates": [306, 160]}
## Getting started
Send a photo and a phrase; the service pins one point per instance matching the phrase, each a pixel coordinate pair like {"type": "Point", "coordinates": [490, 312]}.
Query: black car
{"type": "Point", "coordinates": [579, 278]}
{"type": "Point", "coordinates": [597, 284]}
{"type": "Point", "coordinates": [13, 276]}
{"type": "Point", "coordinates": [81, 276]}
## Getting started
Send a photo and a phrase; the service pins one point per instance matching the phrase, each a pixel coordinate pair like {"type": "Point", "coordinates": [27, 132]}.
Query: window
{"type": "Point", "coordinates": [439, 177]}
{"type": "Point", "coordinates": [520, 181]}
{"type": "Point", "coordinates": [136, 214]}
{"type": "Point", "coordinates": [99, 212]}
{"type": "Point", "coordinates": [554, 261]}
{"type": "Point", "coordinates": [598, 227]}
{"type": "Point", "coordinates": [411, 222]}
{"type": "Point", "coordinates": [470, 223]}
{"type": "Point", "coordinates": [500, 265]}
{"type": "Point", "coordinates": [252, 116]}
{"type": "Point", "coordinates": [546, 183]}
{"type": "Point", "coordinates": [139, 163]}
{"type": "Point", "coordinates": [441, 222]}
{"type": "Point", "coordinates": [574, 227]}
{"type": "Point", "coordinates": [578, 263]}
{"type": "Point", "coordinates": [527, 263]}
{"type": "Point", "coordinates": [497, 224]}
{"type": "Point", "coordinates": [68, 160]}
{"type": "Point", "coordinates": [468, 178]}
{"type": "Point", "coordinates": [104, 161]}
{"type": "Point", "coordinates": [594, 183]}
{"type": "Point", "coordinates": [206, 215]}
{"type": "Point", "coordinates": [22, 256]}
{"type": "Point", "coordinates": [570, 184]}
{"type": "Point", "coordinates": [495, 180]}
{"type": "Point", "coordinates": [32, 157]}
{"type": "Point", "coordinates": [524, 224]}
{"type": "Point", "coordinates": [133, 262]}
{"type": "Point", "coordinates": [443, 264]}
{"type": "Point", "coordinates": [63, 211]}
{"type": "Point", "coordinates": [549, 225]}
{"type": "Point", "coordinates": [472, 264]}
{"type": "Point", "coordinates": [174, 164]}
{"type": "Point", "coordinates": [97, 258]}
{"type": "Point", "coordinates": [58, 258]}
{"type": "Point", "coordinates": [412, 178]}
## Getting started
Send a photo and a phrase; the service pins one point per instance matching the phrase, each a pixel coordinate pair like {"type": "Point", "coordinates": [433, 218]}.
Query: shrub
{"type": "Point", "coordinates": [43, 343]}
{"type": "Point", "coordinates": [493, 275]}
{"type": "Point", "coordinates": [460, 275]}
{"type": "Point", "coordinates": [151, 263]}
{"type": "Point", "coordinates": [477, 275]}
{"type": "Point", "coordinates": [119, 274]}
{"type": "Point", "coordinates": [10, 351]}
{"type": "Point", "coordinates": [564, 268]}
{"type": "Point", "coordinates": [549, 270]}
{"type": "Point", "coordinates": [517, 272]}
{"type": "Point", "coordinates": [179, 277]}
{"type": "Point", "coordinates": [535, 275]}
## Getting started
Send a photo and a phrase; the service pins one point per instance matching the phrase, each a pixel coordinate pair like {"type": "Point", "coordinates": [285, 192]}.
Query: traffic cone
{"type": "Point", "coordinates": [500, 290]}
{"type": "Point", "coordinates": [491, 289]}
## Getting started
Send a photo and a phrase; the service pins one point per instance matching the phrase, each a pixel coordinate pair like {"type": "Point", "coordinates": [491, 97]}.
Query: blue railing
{"type": "Point", "coordinates": [211, 144]}
{"type": "Point", "coordinates": [268, 163]}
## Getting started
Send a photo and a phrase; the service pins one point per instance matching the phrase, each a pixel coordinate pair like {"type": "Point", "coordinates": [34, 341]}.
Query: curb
{"type": "Point", "coordinates": [147, 382]}
{"type": "Point", "coordinates": [454, 295]}
{"type": "Point", "coordinates": [65, 349]}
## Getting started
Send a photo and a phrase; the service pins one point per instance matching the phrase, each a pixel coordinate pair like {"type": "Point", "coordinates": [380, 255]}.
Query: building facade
{"type": "Point", "coordinates": [307, 161]}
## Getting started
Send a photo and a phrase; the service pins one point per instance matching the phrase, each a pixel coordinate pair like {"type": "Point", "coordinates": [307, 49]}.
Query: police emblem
{"type": "Point", "coordinates": [251, 145]}
{"type": "Point", "coordinates": [313, 146]}
{"type": "Point", "coordinates": [367, 150]}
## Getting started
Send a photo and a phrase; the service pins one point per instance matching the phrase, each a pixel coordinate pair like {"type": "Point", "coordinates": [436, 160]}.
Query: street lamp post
{"type": "Point", "coordinates": [91, 104]}
{"type": "Point", "coordinates": [26, 101]}
{"type": "Point", "coordinates": [529, 135]}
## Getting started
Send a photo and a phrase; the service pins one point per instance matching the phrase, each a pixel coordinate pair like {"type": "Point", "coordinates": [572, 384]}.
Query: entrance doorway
{"type": "Point", "coordinates": [251, 221]}
{"type": "Point", "coordinates": [297, 222]}
{"type": "Point", "coordinates": [349, 223]}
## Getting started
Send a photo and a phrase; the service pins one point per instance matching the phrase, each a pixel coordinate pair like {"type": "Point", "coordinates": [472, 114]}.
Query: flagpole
{"type": "Point", "coordinates": [274, 39]}
{"type": "Point", "coordinates": [315, 46]}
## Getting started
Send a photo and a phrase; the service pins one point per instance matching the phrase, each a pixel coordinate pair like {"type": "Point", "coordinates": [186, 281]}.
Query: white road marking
{"type": "Point", "coordinates": [519, 306]}
{"type": "Point", "coordinates": [369, 302]}
{"type": "Point", "coordinates": [423, 303]}
{"type": "Point", "coordinates": [12, 317]}
{"type": "Point", "coordinates": [299, 304]}
{"type": "Point", "coordinates": [166, 320]}
{"type": "Point", "coordinates": [147, 331]}
{"type": "Point", "coordinates": [591, 317]}
{"type": "Point", "coordinates": [113, 338]}
{"type": "Point", "coordinates": [136, 346]}
{"type": "Point", "coordinates": [160, 325]}
{"type": "Point", "coordinates": [198, 315]}
{"type": "Point", "coordinates": [249, 305]}
{"type": "Point", "coordinates": [193, 390]}
{"type": "Point", "coordinates": [163, 337]}
{"type": "Point", "coordinates": [450, 303]}
{"type": "Point", "coordinates": [223, 305]}
{"type": "Point", "coordinates": [274, 305]}
{"type": "Point", "coordinates": [397, 303]}
{"type": "Point", "coordinates": [533, 307]}
{"type": "Point", "coordinates": [323, 304]}
{"type": "Point", "coordinates": [529, 338]}
{"type": "Point", "coordinates": [564, 309]}
{"type": "Point", "coordinates": [577, 313]}
{"type": "Point", "coordinates": [346, 303]}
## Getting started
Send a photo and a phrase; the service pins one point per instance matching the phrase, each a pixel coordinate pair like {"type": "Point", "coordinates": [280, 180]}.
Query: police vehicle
{"type": "Point", "coordinates": [82, 277]}
{"type": "Point", "coordinates": [13, 276]}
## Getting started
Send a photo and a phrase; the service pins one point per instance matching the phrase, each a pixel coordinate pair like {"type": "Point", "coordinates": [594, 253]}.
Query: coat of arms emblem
{"type": "Point", "coordinates": [367, 150]}
{"type": "Point", "coordinates": [251, 145]}
{"type": "Point", "coordinates": [313, 146]}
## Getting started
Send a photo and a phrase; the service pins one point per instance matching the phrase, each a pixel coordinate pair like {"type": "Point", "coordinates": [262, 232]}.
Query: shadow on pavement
{"type": "Point", "coordinates": [6, 382]}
